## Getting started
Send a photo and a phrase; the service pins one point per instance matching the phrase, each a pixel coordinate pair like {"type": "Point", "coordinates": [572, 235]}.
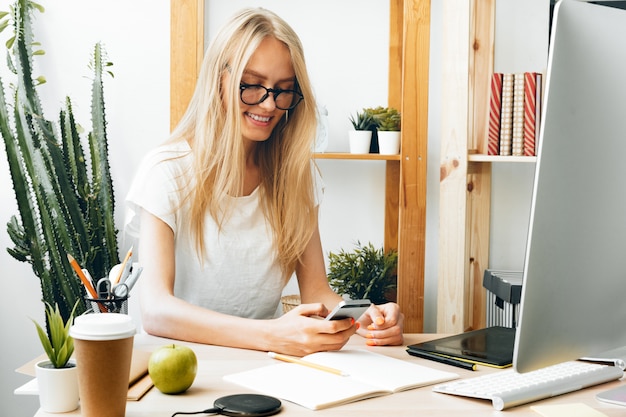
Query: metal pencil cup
{"type": "Point", "coordinates": [108, 305]}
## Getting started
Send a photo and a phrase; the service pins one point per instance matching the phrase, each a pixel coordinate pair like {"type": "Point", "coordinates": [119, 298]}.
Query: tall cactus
{"type": "Point", "coordinates": [65, 200]}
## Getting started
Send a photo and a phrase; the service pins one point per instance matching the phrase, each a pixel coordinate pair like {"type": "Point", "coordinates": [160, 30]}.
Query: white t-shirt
{"type": "Point", "coordinates": [240, 275]}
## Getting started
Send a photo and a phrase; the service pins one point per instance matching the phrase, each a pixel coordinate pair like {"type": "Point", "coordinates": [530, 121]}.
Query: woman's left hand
{"type": "Point", "coordinates": [382, 325]}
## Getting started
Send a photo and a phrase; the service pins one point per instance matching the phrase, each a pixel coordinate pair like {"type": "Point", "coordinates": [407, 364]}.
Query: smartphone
{"type": "Point", "coordinates": [349, 308]}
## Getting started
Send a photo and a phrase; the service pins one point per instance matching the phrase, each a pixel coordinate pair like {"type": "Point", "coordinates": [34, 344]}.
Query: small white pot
{"type": "Point", "coordinates": [360, 141]}
{"type": "Point", "coordinates": [388, 142]}
{"type": "Point", "coordinates": [58, 387]}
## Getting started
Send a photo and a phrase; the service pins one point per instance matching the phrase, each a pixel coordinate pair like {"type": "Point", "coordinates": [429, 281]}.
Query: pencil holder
{"type": "Point", "coordinates": [108, 305]}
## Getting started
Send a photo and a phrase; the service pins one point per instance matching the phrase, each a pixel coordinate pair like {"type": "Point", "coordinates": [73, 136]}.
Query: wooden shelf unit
{"type": "Point", "coordinates": [465, 180]}
{"type": "Point", "coordinates": [405, 183]}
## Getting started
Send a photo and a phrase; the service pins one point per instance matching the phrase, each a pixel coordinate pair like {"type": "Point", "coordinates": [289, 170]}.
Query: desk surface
{"type": "Point", "coordinates": [215, 361]}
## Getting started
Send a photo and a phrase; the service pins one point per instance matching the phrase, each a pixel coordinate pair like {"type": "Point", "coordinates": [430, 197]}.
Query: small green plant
{"type": "Point", "coordinates": [59, 345]}
{"type": "Point", "coordinates": [391, 121]}
{"type": "Point", "coordinates": [386, 118]}
{"type": "Point", "coordinates": [365, 272]}
{"type": "Point", "coordinates": [363, 121]}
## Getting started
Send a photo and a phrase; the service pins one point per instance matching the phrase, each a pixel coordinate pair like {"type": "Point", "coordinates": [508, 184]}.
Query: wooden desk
{"type": "Point", "coordinates": [214, 362]}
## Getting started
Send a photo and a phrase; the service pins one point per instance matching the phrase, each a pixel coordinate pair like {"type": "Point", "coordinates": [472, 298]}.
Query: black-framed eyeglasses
{"type": "Point", "coordinates": [252, 94]}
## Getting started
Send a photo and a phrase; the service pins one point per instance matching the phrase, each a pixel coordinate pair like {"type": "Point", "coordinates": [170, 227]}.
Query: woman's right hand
{"type": "Point", "coordinates": [303, 330]}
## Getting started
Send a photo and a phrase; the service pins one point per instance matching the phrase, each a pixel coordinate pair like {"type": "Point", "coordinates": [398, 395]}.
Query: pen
{"type": "Point", "coordinates": [132, 279]}
{"type": "Point", "coordinates": [444, 359]}
{"type": "Point", "coordinates": [123, 269]}
{"type": "Point", "coordinates": [305, 363]}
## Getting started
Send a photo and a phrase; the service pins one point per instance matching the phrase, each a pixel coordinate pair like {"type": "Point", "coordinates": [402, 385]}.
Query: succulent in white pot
{"type": "Point", "coordinates": [57, 377]}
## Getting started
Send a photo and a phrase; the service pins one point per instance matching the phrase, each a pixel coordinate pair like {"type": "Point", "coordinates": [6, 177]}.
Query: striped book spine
{"type": "Point", "coordinates": [495, 105]}
{"type": "Point", "coordinates": [538, 105]}
{"type": "Point", "coordinates": [506, 118]}
{"type": "Point", "coordinates": [530, 108]}
{"type": "Point", "coordinates": [517, 136]}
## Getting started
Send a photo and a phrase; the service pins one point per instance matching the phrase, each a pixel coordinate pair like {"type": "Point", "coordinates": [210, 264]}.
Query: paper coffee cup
{"type": "Point", "coordinates": [103, 347]}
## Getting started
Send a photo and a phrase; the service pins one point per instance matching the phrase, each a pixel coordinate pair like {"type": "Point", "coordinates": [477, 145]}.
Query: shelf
{"type": "Point", "coordinates": [497, 158]}
{"type": "Point", "coordinates": [356, 156]}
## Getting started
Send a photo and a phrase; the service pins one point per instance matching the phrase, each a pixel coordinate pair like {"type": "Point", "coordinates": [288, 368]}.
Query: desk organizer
{"type": "Point", "coordinates": [108, 305]}
{"type": "Point", "coordinates": [504, 292]}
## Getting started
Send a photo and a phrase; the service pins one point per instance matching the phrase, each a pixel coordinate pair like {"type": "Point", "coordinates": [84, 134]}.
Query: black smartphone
{"type": "Point", "coordinates": [349, 308]}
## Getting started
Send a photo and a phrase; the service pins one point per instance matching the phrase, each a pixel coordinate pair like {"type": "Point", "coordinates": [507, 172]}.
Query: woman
{"type": "Point", "coordinates": [228, 206]}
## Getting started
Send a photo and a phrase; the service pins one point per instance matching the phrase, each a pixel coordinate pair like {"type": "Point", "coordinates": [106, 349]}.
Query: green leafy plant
{"type": "Point", "coordinates": [363, 121]}
{"type": "Point", "coordinates": [365, 272]}
{"type": "Point", "coordinates": [386, 118]}
{"type": "Point", "coordinates": [57, 342]}
{"type": "Point", "coordinates": [64, 196]}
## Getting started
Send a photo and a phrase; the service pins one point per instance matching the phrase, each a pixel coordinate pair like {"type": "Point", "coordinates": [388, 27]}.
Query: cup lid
{"type": "Point", "coordinates": [105, 326]}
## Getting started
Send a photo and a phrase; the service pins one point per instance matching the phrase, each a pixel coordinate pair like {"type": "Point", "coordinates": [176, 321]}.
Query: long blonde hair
{"type": "Point", "coordinates": [212, 127]}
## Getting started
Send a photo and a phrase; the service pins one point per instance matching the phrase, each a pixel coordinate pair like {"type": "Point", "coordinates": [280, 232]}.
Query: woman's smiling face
{"type": "Point", "coordinates": [269, 66]}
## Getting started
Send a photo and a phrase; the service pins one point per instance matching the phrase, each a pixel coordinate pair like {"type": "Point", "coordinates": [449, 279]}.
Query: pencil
{"type": "Point", "coordinates": [444, 359]}
{"type": "Point", "coordinates": [119, 275]}
{"type": "Point", "coordinates": [82, 276]}
{"type": "Point", "coordinates": [305, 363]}
{"type": "Point", "coordinates": [88, 286]}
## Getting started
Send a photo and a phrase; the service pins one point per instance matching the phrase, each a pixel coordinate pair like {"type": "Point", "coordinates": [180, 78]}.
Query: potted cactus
{"type": "Point", "coordinates": [361, 137]}
{"type": "Point", "coordinates": [64, 197]}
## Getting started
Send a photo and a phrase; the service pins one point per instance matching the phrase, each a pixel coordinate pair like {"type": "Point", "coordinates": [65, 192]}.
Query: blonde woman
{"type": "Point", "coordinates": [226, 210]}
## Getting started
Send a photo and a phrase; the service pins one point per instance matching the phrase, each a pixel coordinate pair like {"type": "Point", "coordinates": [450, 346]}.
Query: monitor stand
{"type": "Point", "coordinates": [616, 357]}
{"type": "Point", "coordinates": [613, 396]}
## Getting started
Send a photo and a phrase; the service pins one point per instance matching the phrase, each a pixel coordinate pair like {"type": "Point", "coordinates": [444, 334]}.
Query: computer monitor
{"type": "Point", "coordinates": [573, 300]}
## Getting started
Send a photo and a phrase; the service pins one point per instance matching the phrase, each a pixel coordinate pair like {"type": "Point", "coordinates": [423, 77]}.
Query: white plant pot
{"type": "Point", "coordinates": [58, 388]}
{"type": "Point", "coordinates": [360, 141]}
{"type": "Point", "coordinates": [388, 142]}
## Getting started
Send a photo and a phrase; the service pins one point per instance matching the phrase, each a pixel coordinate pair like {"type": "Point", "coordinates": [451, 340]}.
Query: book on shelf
{"type": "Point", "coordinates": [517, 141]}
{"type": "Point", "coordinates": [531, 149]}
{"type": "Point", "coordinates": [514, 113]}
{"type": "Point", "coordinates": [506, 115]}
{"type": "Point", "coordinates": [368, 375]}
{"type": "Point", "coordinates": [495, 105]}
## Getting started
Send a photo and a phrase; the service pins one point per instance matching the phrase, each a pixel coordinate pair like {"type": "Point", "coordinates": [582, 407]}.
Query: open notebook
{"type": "Point", "coordinates": [369, 375]}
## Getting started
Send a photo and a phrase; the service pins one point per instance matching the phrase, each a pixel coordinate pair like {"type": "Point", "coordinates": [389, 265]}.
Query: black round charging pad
{"type": "Point", "coordinates": [241, 405]}
{"type": "Point", "coordinates": [248, 405]}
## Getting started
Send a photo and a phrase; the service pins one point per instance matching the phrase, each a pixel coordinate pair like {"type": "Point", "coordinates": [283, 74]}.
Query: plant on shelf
{"type": "Point", "coordinates": [388, 123]}
{"type": "Point", "coordinates": [57, 342]}
{"type": "Point", "coordinates": [365, 272]}
{"type": "Point", "coordinates": [64, 196]}
{"type": "Point", "coordinates": [361, 137]}
{"type": "Point", "coordinates": [363, 120]}
{"type": "Point", "coordinates": [386, 118]}
{"type": "Point", "coordinates": [389, 120]}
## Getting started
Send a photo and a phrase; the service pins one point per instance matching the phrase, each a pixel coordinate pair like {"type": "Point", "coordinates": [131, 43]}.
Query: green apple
{"type": "Point", "coordinates": [173, 368]}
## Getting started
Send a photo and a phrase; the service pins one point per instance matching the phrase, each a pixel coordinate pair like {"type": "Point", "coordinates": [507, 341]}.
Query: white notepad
{"type": "Point", "coordinates": [370, 375]}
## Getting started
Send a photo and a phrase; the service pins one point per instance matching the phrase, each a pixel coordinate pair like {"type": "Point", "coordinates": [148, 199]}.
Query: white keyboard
{"type": "Point", "coordinates": [507, 388]}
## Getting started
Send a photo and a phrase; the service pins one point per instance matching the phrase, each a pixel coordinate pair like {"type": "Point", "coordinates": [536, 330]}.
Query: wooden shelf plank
{"type": "Point", "coordinates": [356, 156]}
{"type": "Point", "coordinates": [497, 158]}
